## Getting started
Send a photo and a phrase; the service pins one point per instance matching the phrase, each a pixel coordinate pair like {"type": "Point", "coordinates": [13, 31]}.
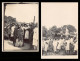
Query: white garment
{"type": "Point", "coordinates": [76, 46]}
{"type": "Point", "coordinates": [71, 41]}
{"type": "Point", "coordinates": [68, 45]}
{"type": "Point", "coordinates": [60, 43]}
{"type": "Point", "coordinates": [12, 31]}
{"type": "Point", "coordinates": [26, 34]}
{"type": "Point", "coordinates": [35, 37]}
{"type": "Point", "coordinates": [55, 42]}
{"type": "Point", "coordinates": [20, 43]}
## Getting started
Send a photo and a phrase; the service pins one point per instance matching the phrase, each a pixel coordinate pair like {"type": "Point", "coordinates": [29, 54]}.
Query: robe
{"type": "Point", "coordinates": [35, 37]}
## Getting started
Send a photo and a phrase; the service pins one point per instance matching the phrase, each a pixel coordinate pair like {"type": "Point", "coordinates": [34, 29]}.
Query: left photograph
{"type": "Point", "coordinates": [20, 27]}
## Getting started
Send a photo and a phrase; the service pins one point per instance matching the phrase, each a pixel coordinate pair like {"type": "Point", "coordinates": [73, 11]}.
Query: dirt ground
{"type": "Point", "coordinates": [8, 46]}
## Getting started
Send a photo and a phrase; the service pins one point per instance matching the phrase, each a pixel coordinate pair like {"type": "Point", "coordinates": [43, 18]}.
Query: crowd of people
{"type": "Point", "coordinates": [23, 33]}
{"type": "Point", "coordinates": [67, 45]}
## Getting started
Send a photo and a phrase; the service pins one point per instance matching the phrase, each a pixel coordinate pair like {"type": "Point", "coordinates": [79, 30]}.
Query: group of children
{"type": "Point", "coordinates": [60, 44]}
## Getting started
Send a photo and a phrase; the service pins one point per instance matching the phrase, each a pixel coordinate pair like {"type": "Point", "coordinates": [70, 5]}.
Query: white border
{"type": "Point", "coordinates": [57, 56]}
{"type": "Point", "coordinates": [3, 24]}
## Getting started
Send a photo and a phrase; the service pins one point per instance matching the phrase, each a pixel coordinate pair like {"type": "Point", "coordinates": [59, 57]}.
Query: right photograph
{"type": "Point", "coordinates": [59, 30]}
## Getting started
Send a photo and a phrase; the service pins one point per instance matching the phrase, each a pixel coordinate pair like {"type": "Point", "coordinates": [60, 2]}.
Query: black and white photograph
{"type": "Point", "coordinates": [20, 27]}
{"type": "Point", "coordinates": [59, 30]}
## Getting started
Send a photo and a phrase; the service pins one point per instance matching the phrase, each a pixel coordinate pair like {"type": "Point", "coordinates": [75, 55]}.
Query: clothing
{"type": "Point", "coordinates": [46, 45]}
{"type": "Point", "coordinates": [35, 37]}
{"type": "Point", "coordinates": [71, 41]}
{"type": "Point", "coordinates": [50, 45]}
{"type": "Point", "coordinates": [20, 43]}
{"type": "Point", "coordinates": [60, 43]}
{"type": "Point", "coordinates": [20, 34]}
{"type": "Point", "coordinates": [23, 29]}
{"type": "Point", "coordinates": [76, 46]}
{"type": "Point", "coordinates": [26, 34]}
{"type": "Point", "coordinates": [9, 31]}
{"type": "Point", "coordinates": [43, 45]}
{"type": "Point", "coordinates": [55, 42]}
{"type": "Point", "coordinates": [17, 43]}
{"type": "Point", "coordinates": [67, 47]}
{"type": "Point", "coordinates": [15, 33]}
{"type": "Point", "coordinates": [12, 31]}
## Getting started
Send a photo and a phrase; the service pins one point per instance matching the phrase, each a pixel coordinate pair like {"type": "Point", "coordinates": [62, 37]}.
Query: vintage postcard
{"type": "Point", "coordinates": [20, 27]}
{"type": "Point", "coordinates": [59, 30]}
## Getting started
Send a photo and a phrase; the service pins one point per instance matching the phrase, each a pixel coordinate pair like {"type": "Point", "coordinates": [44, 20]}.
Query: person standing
{"type": "Point", "coordinates": [71, 45]}
{"type": "Point", "coordinates": [35, 38]}
{"type": "Point", "coordinates": [31, 32]}
{"type": "Point", "coordinates": [23, 29]}
{"type": "Point", "coordinates": [26, 33]}
{"type": "Point", "coordinates": [20, 34]}
{"type": "Point", "coordinates": [67, 47]}
{"type": "Point", "coordinates": [12, 32]}
{"type": "Point", "coordinates": [59, 45]}
{"type": "Point", "coordinates": [75, 46]}
{"type": "Point", "coordinates": [17, 36]}
{"type": "Point", "coordinates": [50, 45]}
{"type": "Point", "coordinates": [46, 44]}
{"type": "Point", "coordinates": [55, 45]}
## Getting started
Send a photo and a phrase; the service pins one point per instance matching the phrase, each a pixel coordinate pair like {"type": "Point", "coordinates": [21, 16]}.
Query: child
{"type": "Point", "coordinates": [46, 46]}
{"type": "Point", "coordinates": [58, 45]}
{"type": "Point", "coordinates": [71, 45]}
{"type": "Point", "coordinates": [67, 46]}
{"type": "Point", "coordinates": [55, 45]}
{"type": "Point", "coordinates": [75, 46]}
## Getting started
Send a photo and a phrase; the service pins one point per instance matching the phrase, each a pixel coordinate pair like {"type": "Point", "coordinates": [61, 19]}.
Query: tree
{"type": "Point", "coordinates": [52, 31]}
{"type": "Point", "coordinates": [64, 29]}
{"type": "Point", "coordinates": [44, 31]}
{"type": "Point", "coordinates": [71, 28]}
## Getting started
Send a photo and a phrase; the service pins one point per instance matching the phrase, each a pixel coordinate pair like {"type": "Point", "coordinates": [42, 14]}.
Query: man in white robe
{"type": "Point", "coordinates": [60, 43]}
{"type": "Point", "coordinates": [55, 42]}
{"type": "Point", "coordinates": [35, 38]}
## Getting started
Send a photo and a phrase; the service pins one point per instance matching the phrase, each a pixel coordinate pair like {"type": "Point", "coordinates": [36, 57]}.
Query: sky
{"type": "Point", "coordinates": [59, 14]}
{"type": "Point", "coordinates": [23, 12]}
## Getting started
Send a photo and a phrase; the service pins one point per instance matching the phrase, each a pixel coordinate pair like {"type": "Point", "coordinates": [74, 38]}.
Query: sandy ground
{"type": "Point", "coordinates": [8, 46]}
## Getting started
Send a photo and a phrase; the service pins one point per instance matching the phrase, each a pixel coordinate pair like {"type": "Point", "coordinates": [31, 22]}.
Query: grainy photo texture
{"type": "Point", "coordinates": [20, 27]}
{"type": "Point", "coordinates": [59, 30]}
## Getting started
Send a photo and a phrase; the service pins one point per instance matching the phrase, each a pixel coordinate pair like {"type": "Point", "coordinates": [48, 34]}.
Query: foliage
{"type": "Point", "coordinates": [55, 31]}
{"type": "Point", "coordinates": [44, 31]}
{"type": "Point", "coordinates": [71, 28]}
